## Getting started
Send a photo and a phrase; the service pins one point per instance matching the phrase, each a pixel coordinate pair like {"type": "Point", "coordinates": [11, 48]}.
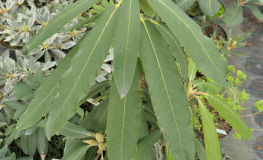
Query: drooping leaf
{"type": "Point", "coordinates": [39, 106]}
{"type": "Point", "coordinates": [126, 45]}
{"type": "Point", "coordinates": [57, 23]}
{"type": "Point", "coordinates": [73, 130]}
{"type": "Point", "coordinates": [233, 14]}
{"type": "Point", "coordinates": [39, 77]}
{"type": "Point", "coordinates": [233, 93]}
{"type": "Point", "coordinates": [166, 88]}
{"type": "Point", "coordinates": [191, 69]}
{"type": "Point", "coordinates": [230, 115]}
{"type": "Point", "coordinates": [185, 4]}
{"type": "Point", "coordinates": [124, 121]}
{"type": "Point", "coordinates": [23, 141]}
{"type": "Point", "coordinates": [42, 142]}
{"type": "Point", "coordinates": [199, 148]}
{"type": "Point", "coordinates": [176, 47]}
{"type": "Point", "coordinates": [32, 144]}
{"type": "Point", "coordinates": [147, 144]}
{"type": "Point", "coordinates": [204, 53]}
{"type": "Point", "coordinates": [77, 153]}
{"type": "Point", "coordinates": [75, 83]}
{"type": "Point", "coordinates": [209, 7]}
{"type": "Point", "coordinates": [208, 86]}
{"type": "Point", "coordinates": [146, 8]}
{"type": "Point", "coordinates": [82, 23]}
{"type": "Point", "coordinates": [256, 12]}
{"type": "Point", "coordinates": [94, 90]}
{"type": "Point", "coordinates": [212, 145]}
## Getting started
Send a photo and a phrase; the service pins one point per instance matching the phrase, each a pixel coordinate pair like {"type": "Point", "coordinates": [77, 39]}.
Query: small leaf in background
{"type": "Point", "coordinates": [185, 4]}
{"type": "Point", "coordinates": [230, 115]}
{"type": "Point", "coordinates": [233, 93]}
{"type": "Point", "coordinates": [233, 14]}
{"type": "Point", "coordinates": [191, 69]}
{"type": "Point", "coordinates": [212, 145]}
{"type": "Point", "coordinates": [147, 144]}
{"type": "Point", "coordinates": [39, 77]}
{"type": "Point", "coordinates": [256, 12]}
{"type": "Point", "coordinates": [209, 7]}
{"type": "Point", "coordinates": [146, 8]}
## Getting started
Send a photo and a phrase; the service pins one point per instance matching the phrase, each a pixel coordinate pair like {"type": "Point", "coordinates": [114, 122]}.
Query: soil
{"type": "Point", "coordinates": [219, 123]}
{"type": "Point", "coordinates": [220, 32]}
{"type": "Point", "coordinates": [6, 44]}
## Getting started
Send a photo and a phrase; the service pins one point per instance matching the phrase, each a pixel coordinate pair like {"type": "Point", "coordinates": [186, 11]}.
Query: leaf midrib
{"type": "Point", "coordinates": [193, 34]}
{"type": "Point", "coordinates": [234, 12]}
{"type": "Point", "coordinates": [85, 65]}
{"type": "Point", "coordinates": [168, 96]}
{"type": "Point", "coordinates": [213, 143]}
{"type": "Point", "coordinates": [229, 111]}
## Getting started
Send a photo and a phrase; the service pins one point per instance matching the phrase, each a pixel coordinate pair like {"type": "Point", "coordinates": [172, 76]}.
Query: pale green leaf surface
{"type": "Point", "coordinates": [191, 69]}
{"type": "Point", "coordinates": [166, 89]}
{"type": "Point", "coordinates": [32, 144]}
{"type": "Point", "coordinates": [42, 142]}
{"type": "Point", "coordinates": [202, 49]}
{"type": "Point", "coordinates": [209, 7]}
{"type": "Point", "coordinates": [212, 145]}
{"type": "Point", "coordinates": [126, 45]}
{"type": "Point", "coordinates": [146, 8]}
{"type": "Point", "coordinates": [147, 143]}
{"type": "Point", "coordinates": [233, 14]}
{"type": "Point", "coordinates": [233, 93]}
{"type": "Point", "coordinates": [123, 121]}
{"type": "Point", "coordinates": [39, 106]}
{"type": "Point", "coordinates": [230, 115]}
{"type": "Point", "coordinates": [176, 48]}
{"type": "Point", "coordinates": [57, 23]}
{"type": "Point", "coordinates": [85, 65]}
{"type": "Point", "coordinates": [185, 4]}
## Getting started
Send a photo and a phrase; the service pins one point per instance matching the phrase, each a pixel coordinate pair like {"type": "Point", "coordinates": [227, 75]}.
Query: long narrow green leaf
{"type": "Point", "coordinates": [82, 23]}
{"type": "Point", "coordinates": [185, 4]}
{"type": "Point", "coordinates": [166, 88]}
{"type": "Point", "coordinates": [208, 86]}
{"type": "Point", "coordinates": [126, 45]}
{"type": "Point", "coordinates": [256, 12]}
{"type": "Point", "coordinates": [73, 130]}
{"type": "Point", "coordinates": [76, 154]}
{"type": "Point", "coordinates": [191, 69]}
{"type": "Point", "coordinates": [233, 14]}
{"type": "Point", "coordinates": [230, 115]}
{"type": "Point", "coordinates": [201, 49]}
{"type": "Point", "coordinates": [57, 23]}
{"type": "Point", "coordinates": [199, 148]}
{"type": "Point", "coordinates": [123, 121]}
{"type": "Point", "coordinates": [176, 47]}
{"type": "Point", "coordinates": [233, 93]}
{"type": "Point", "coordinates": [147, 144]}
{"type": "Point", "coordinates": [209, 7]}
{"type": "Point", "coordinates": [212, 145]}
{"type": "Point", "coordinates": [39, 106]}
{"type": "Point", "coordinates": [75, 83]}
{"type": "Point", "coordinates": [146, 8]}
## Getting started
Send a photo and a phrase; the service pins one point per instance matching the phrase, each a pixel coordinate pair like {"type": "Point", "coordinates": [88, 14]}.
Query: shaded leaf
{"type": "Point", "coordinates": [209, 7]}
{"type": "Point", "coordinates": [73, 130]}
{"type": "Point", "coordinates": [185, 4]}
{"type": "Point", "coordinates": [233, 14]}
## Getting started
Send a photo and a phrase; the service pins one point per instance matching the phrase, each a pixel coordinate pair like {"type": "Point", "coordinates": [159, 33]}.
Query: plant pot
{"type": "Point", "coordinates": [221, 32]}
{"type": "Point", "coordinates": [11, 51]}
